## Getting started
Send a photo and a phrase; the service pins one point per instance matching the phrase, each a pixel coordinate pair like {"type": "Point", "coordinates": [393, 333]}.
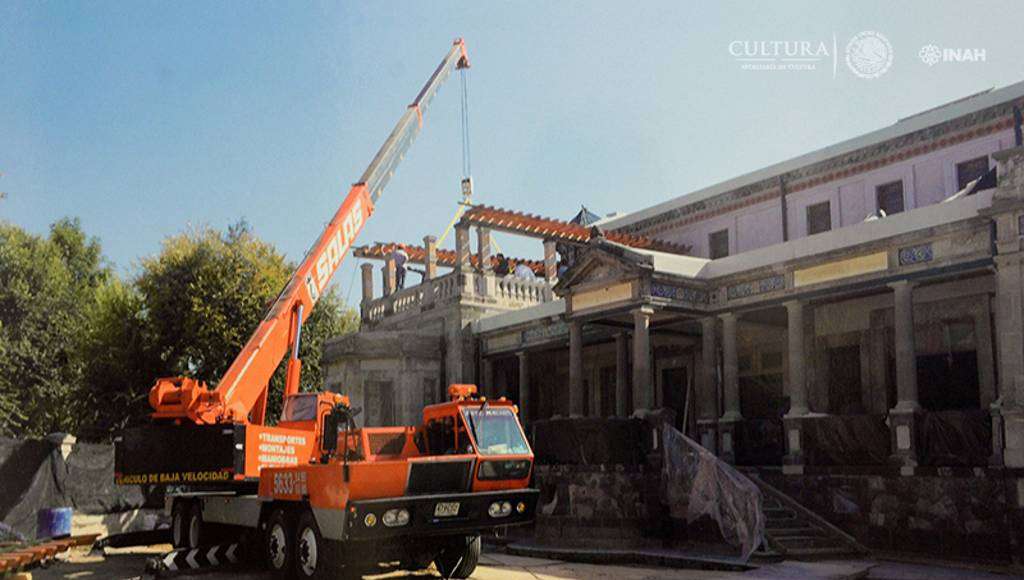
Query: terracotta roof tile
{"type": "Point", "coordinates": [549, 228]}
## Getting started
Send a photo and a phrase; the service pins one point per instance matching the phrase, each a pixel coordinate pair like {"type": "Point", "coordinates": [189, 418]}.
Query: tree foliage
{"type": "Point", "coordinates": [80, 348]}
{"type": "Point", "coordinates": [47, 287]}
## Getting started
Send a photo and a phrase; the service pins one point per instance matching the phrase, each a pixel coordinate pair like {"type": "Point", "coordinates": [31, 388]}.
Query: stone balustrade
{"type": "Point", "coordinates": [488, 290]}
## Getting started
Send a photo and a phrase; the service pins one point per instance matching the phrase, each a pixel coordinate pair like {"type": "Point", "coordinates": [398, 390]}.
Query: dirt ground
{"type": "Point", "coordinates": [124, 563]}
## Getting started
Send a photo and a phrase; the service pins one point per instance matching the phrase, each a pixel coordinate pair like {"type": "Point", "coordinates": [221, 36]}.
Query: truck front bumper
{"type": "Point", "coordinates": [425, 519]}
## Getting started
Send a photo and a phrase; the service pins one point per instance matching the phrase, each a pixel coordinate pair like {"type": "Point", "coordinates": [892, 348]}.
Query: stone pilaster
{"type": "Point", "coordinates": [576, 402]}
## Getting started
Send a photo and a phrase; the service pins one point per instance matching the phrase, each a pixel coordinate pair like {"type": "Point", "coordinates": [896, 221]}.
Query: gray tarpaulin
{"type": "Point", "coordinates": [699, 484]}
{"type": "Point", "coordinates": [34, 474]}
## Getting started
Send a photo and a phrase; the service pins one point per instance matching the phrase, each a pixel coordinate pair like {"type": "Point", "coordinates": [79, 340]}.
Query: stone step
{"type": "Point", "coordinates": [790, 529]}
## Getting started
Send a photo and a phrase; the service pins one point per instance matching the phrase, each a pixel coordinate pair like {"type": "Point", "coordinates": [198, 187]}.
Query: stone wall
{"type": "Point", "coordinates": [594, 505]}
{"type": "Point", "coordinates": [963, 513]}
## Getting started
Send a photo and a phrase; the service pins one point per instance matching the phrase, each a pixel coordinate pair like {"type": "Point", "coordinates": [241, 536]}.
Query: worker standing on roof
{"type": "Point", "coordinates": [524, 272]}
{"type": "Point", "coordinates": [401, 257]}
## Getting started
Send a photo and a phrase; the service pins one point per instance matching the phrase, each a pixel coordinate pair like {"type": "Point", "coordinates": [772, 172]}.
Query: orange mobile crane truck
{"type": "Point", "coordinates": [314, 494]}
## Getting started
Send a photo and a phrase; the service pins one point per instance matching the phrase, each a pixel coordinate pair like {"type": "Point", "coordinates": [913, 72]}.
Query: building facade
{"type": "Point", "coordinates": [845, 320]}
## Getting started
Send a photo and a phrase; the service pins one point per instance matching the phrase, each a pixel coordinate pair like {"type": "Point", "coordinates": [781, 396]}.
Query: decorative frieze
{"type": "Point", "coordinates": [549, 332]}
{"type": "Point", "coordinates": [681, 293]}
{"type": "Point", "coordinates": [754, 287]}
{"type": "Point", "coordinates": [916, 254]}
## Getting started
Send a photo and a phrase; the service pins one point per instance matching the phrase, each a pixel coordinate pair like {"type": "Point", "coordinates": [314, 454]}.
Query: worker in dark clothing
{"type": "Point", "coordinates": [502, 267]}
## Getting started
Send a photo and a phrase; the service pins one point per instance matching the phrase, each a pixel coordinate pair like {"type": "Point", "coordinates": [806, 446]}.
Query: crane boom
{"type": "Point", "coordinates": [241, 394]}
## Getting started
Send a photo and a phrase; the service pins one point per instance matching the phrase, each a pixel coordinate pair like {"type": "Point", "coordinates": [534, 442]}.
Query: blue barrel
{"type": "Point", "coordinates": [53, 523]}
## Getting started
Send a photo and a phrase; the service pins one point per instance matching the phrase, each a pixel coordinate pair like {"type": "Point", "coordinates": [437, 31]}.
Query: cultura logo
{"type": "Point", "coordinates": [869, 54]}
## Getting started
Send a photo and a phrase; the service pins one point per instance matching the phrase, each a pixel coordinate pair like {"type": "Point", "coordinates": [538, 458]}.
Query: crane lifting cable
{"type": "Point", "coordinates": [467, 169]}
{"type": "Point", "coordinates": [467, 164]}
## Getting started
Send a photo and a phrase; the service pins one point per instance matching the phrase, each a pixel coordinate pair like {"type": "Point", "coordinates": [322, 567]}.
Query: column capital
{"type": "Point", "coordinates": [522, 353]}
{"type": "Point", "coordinates": [644, 310]}
{"type": "Point", "coordinates": [727, 316]}
{"type": "Point", "coordinates": [898, 284]}
{"type": "Point", "coordinates": [795, 303]}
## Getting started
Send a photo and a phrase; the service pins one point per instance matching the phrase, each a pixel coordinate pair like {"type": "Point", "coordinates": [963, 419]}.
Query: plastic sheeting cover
{"type": "Point", "coordinates": [34, 474]}
{"type": "Point", "coordinates": [699, 484]}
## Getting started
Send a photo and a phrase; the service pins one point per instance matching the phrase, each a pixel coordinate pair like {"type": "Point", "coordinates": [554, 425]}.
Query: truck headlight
{"type": "Point", "coordinates": [370, 520]}
{"type": "Point", "coordinates": [395, 518]}
{"type": "Point", "coordinates": [499, 509]}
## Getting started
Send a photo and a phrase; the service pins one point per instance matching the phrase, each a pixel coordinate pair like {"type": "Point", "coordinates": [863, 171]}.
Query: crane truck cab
{"type": "Point", "coordinates": [413, 494]}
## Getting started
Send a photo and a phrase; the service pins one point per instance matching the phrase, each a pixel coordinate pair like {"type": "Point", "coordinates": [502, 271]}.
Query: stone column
{"type": "Point", "coordinates": [524, 386]}
{"type": "Point", "coordinates": [1010, 343]}
{"type": "Point", "coordinates": [390, 280]}
{"type": "Point", "coordinates": [488, 284]}
{"type": "Point", "coordinates": [367, 273]}
{"type": "Point", "coordinates": [797, 377]}
{"type": "Point", "coordinates": [986, 353]}
{"type": "Point", "coordinates": [707, 420]}
{"type": "Point", "coordinates": [730, 388]}
{"type": "Point", "coordinates": [550, 266]}
{"type": "Point", "coordinates": [483, 249]}
{"type": "Point", "coordinates": [487, 387]}
{"type": "Point", "coordinates": [576, 402]}
{"type": "Point", "coordinates": [1007, 211]}
{"type": "Point", "coordinates": [621, 375]}
{"type": "Point", "coordinates": [643, 390]}
{"type": "Point", "coordinates": [463, 267]}
{"type": "Point", "coordinates": [792, 422]}
{"type": "Point", "coordinates": [462, 263]}
{"type": "Point", "coordinates": [430, 268]}
{"type": "Point", "coordinates": [902, 417]}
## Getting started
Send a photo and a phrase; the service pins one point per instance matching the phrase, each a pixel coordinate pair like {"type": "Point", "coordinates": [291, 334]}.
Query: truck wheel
{"type": "Point", "coordinates": [178, 513]}
{"type": "Point", "coordinates": [311, 554]}
{"type": "Point", "coordinates": [278, 543]}
{"type": "Point", "coordinates": [194, 528]}
{"type": "Point", "coordinates": [460, 559]}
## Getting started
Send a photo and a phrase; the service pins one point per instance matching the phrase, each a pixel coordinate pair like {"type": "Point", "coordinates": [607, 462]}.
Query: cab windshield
{"type": "Point", "coordinates": [496, 431]}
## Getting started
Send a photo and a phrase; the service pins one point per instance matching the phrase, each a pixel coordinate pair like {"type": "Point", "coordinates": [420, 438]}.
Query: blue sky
{"type": "Point", "coordinates": [141, 118]}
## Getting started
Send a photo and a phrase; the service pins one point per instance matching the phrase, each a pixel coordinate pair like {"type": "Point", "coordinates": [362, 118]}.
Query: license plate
{"type": "Point", "coordinates": [446, 509]}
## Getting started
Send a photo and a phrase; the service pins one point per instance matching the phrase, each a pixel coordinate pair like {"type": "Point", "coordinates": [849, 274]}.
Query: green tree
{"type": "Point", "coordinates": [204, 294]}
{"type": "Point", "coordinates": [47, 286]}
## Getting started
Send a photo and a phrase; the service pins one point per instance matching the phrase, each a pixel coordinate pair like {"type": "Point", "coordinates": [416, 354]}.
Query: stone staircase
{"type": "Point", "coordinates": [793, 531]}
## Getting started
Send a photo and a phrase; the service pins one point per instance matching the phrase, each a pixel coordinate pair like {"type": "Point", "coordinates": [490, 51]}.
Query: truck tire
{"type": "Point", "coordinates": [279, 543]}
{"type": "Point", "coordinates": [460, 559]}
{"type": "Point", "coordinates": [178, 512]}
{"type": "Point", "coordinates": [195, 532]}
{"type": "Point", "coordinates": [312, 555]}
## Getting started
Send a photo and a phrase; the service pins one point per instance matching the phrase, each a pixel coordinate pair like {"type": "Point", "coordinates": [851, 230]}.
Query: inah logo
{"type": "Point", "coordinates": [869, 54]}
{"type": "Point", "coordinates": [932, 55]}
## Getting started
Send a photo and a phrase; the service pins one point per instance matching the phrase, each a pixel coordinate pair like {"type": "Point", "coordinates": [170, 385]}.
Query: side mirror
{"type": "Point", "coordinates": [355, 411]}
{"type": "Point", "coordinates": [329, 436]}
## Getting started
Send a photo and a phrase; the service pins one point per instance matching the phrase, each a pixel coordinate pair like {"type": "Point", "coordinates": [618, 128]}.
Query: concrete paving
{"type": "Point", "coordinates": [125, 563]}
